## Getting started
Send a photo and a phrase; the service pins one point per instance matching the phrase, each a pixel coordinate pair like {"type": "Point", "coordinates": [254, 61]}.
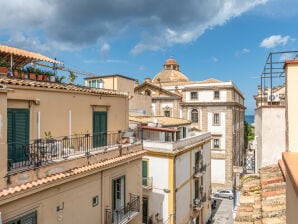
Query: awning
{"type": "Point", "coordinates": [158, 129]}
{"type": "Point", "coordinates": [21, 57]}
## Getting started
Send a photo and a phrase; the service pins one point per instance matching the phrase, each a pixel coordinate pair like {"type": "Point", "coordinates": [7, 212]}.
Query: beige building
{"type": "Point", "coordinates": [138, 104]}
{"type": "Point", "coordinates": [61, 161]}
{"type": "Point", "coordinates": [212, 106]}
{"type": "Point", "coordinates": [270, 126]}
{"type": "Point", "coordinates": [176, 170]}
{"type": "Point", "coordinates": [290, 157]}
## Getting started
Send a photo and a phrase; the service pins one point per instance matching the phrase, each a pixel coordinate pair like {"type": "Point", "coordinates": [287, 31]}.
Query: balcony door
{"type": "Point", "coordinates": [17, 134]}
{"type": "Point", "coordinates": [99, 128]}
{"type": "Point", "coordinates": [119, 193]}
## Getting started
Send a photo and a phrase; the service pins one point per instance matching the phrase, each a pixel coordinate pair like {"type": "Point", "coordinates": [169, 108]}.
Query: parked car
{"type": "Point", "coordinates": [224, 194]}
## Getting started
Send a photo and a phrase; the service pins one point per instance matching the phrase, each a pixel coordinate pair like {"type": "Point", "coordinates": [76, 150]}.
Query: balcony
{"type": "Point", "coordinates": [125, 214]}
{"type": "Point", "coordinates": [199, 170]}
{"type": "Point", "coordinates": [147, 183]}
{"type": "Point", "coordinates": [48, 151]}
{"type": "Point", "coordinates": [173, 146]}
{"type": "Point", "coordinates": [197, 204]}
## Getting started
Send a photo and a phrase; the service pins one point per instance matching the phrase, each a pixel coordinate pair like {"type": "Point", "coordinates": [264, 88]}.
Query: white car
{"type": "Point", "coordinates": [224, 194]}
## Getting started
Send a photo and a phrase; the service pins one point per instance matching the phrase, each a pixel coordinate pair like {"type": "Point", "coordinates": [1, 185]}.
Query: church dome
{"type": "Point", "coordinates": [170, 73]}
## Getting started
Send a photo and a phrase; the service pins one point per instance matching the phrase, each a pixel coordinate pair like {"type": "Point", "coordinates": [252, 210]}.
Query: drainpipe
{"type": "Point", "coordinates": [174, 193]}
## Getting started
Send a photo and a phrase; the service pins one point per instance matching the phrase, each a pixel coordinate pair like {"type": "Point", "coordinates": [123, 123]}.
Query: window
{"type": "Point", "coordinates": [216, 119]}
{"type": "Point", "coordinates": [194, 116]}
{"type": "Point", "coordinates": [118, 193]}
{"type": "Point", "coordinates": [96, 83]}
{"type": "Point", "coordinates": [216, 143]}
{"type": "Point", "coordinates": [167, 113]}
{"type": "Point", "coordinates": [145, 172]}
{"type": "Point", "coordinates": [28, 219]}
{"type": "Point", "coordinates": [95, 201]}
{"type": "Point", "coordinates": [147, 92]}
{"type": "Point", "coordinates": [216, 94]}
{"type": "Point", "coordinates": [194, 95]}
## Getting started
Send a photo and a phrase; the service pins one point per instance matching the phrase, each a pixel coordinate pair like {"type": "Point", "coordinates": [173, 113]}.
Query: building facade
{"type": "Point", "coordinates": [290, 157]}
{"type": "Point", "coordinates": [176, 171]}
{"type": "Point", "coordinates": [61, 161]}
{"type": "Point", "coordinates": [270, 126]}
{"type": "Point", "coordinates": [212, 105]}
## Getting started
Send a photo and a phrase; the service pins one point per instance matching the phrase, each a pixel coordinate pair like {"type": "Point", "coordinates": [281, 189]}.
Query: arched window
{"type": "Point", "coordinates": [147, 92]}
{"type": "Point", "coordinates": [194, 116]}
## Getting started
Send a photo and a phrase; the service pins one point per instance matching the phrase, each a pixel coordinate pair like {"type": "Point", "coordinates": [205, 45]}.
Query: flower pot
{"type": "Point", "coordinates": [22, 75]}
{"type": "Point", "coordinates": [15, 73]}
{"type": "Point", "coordinates": [45, 78]}
{"type": "Point", "coordinates": [39, 77]}
{"type": "Point", "coordinates": [3, 70]}
{"type": "Point", "coordinates": [52, 78]}
{"type": "Point", "coordinates": [32, 76]}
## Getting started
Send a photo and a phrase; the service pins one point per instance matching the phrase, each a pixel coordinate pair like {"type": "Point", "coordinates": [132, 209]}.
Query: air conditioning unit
{"type": "Point", "coordinates": [196, 201]}
{"type": "Point", "coordinates": [274, 97]}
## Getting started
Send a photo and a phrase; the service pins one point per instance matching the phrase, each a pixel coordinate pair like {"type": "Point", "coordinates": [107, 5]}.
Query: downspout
{"type": "Point", "coordinates": [174, 188]}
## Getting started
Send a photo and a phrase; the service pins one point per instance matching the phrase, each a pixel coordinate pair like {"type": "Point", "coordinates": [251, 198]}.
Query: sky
{"type": "Point", "coordinates": [222, 39]}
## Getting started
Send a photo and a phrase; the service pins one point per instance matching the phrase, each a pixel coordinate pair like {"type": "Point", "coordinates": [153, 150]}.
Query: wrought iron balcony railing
{"type": "Point", "coordinates": [199, 170]}
{"type": "Point", "coordinates": [125, 214]}
{"type": "Point", "coordinates": [43, 151]}
{"type": "Point", "coordinates": [147, 182]}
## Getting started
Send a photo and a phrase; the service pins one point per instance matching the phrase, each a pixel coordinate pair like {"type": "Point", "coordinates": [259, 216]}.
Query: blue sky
{"type": "Point", "coordinates": [223, 39]}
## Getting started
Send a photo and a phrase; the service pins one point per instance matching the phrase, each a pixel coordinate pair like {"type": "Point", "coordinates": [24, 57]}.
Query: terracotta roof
{"type": "Point", "coordinates": [11, 82]}
{"type": "Point", "coordinates": [263, 197]}
{"type": "Point", "coordinates": [293, 61]}
{"type": "Point", "coordinates": [23, 57]}
{"type": "Point", "coordinates": [66, 174]}
{"type": "Point", "coordinates": [170, 76]}
{"type": "Point", "coordinates": [171, 61]}
{"type": "Point", "coordinates": [164, 121]}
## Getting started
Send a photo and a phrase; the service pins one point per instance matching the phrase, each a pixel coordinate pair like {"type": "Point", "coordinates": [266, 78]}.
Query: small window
{"type": "Point", "coordinates": [216, 94]}
{"type": "Point", "coordinates": [216, 143]}
{"type": "Point", "coordinates": [216, 120]}
{"type": "Point", "coordinates": [194, 116]}
{"type": "Point", "coordinates": [147, 92]}
{"type": "Point", "coordinates": [95, 201]}
{"type": "Point", "coordinates": [194, 95]}
{"type": "Point", "coordinates": [167, 113]}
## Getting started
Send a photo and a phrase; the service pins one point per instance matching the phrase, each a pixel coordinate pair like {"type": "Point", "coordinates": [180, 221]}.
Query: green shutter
{"type": "Point", "coordinates": [144, 172]}
{"type": "Point", "coordinates": [17, 134]}
{"type": "Point", "coordinates": [26, 219]}
{"type": "Point", "coordinates": [99, 129]}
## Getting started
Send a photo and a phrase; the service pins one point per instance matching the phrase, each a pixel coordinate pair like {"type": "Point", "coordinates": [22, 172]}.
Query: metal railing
{"type": "Point", "coordinates": [199, 169]}
{"type": "Point", "coordinates": [43, 151]}
{"type": "Point", "coordinates": [147, 182]}
{"type": "Point", "coordinates": [124, 214]}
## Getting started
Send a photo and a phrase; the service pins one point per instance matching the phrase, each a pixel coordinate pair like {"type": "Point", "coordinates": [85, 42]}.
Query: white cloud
{"type": "Point", "coordinates": [214, 59]}
{"type": "Point", "coordinates": [274, 40]}
{"type": "Point", "coordinates": [104, 51]}
{"type": "Point", "coordinates": [287, 56]}
{"type": "Point", "coordinates": [73, 25]}
{"type": "Point", "coordinates": [245, 51]}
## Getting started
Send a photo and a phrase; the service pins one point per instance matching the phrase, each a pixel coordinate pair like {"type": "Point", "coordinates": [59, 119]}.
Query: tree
{"type": "Point", "coordinates": [248, 133]}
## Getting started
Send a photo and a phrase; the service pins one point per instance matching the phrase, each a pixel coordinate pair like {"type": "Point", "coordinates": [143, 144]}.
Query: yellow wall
{"type": "Point", "coordinates": [292, 202]}
{"type": "Point", "coordinates": [292, 106]}
{"type": "Point", "coordinates": [55, 107]}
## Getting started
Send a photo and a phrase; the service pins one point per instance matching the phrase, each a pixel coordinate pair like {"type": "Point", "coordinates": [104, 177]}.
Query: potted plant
{"type": "Point", "coordinates": [3, 66]}
{"type": "Point", "coordinates": [39, 74]}
{"type": "Point", "coordinates": [31, 72]}
{"type": "Point", "coordinates": [72, 77]}
{"type": "Point", "coordinates": [51, 76]}
{"type": "Point", "coordinates": [60, 78]}
{"type": "Point", "coordinates": [16, 73]}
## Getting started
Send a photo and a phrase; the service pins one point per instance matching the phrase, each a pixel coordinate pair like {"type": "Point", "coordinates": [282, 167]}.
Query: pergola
{"type": "Point", "coordinates": [17, 58]}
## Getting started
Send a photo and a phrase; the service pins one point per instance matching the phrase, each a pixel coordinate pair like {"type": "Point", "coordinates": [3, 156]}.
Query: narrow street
{"type": "Point", "coordinates": [223, 213]}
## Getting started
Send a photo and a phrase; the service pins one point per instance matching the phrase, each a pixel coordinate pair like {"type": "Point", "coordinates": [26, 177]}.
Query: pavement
{"type": "Point", "coordinates": [223, 212]}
